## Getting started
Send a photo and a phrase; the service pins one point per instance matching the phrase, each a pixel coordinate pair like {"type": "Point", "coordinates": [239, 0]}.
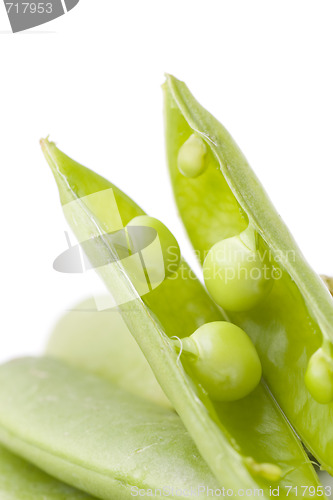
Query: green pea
{"type": "Point", "coordinates": [192, 157]}
{"type": "Point", "coordinates": [224, 360]}
{"type": "Point", "coordinates": [236, 275]}
{"type": "Point", "coordinates": [319, 377]}
{"type": "Point", "coordinates": [155, 265]}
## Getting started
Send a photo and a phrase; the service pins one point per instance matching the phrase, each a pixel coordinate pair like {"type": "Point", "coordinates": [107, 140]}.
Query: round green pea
{"type": "Point", "coordinates": [192, 157]}
{"type": "Point", "coordinates": [224, 360]}
{"type": "Point", "coordinates": [236, 275]}
{"type": "Point", "coordinates": [319, 377]}
{"type": "Point", "coordinates": [168, 245]}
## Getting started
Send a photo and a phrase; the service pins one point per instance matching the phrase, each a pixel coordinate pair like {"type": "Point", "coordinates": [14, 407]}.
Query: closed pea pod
{"type": "Point", "coordinates": [100, 342]}
{"type": "Point", "coordinates": [21, 480]}
{"type": "Point", "coordinates": [93, 435]}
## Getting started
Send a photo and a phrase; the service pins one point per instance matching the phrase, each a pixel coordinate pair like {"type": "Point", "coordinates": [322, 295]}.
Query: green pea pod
{"type": "Point", "coordinates": [100, 342]}
{"type": "Point", "coordinates": [248, 443]}
{"type": "Point", "coordinates": [93, 435]}
{"type": "Point", "coordinates": [20, 480]}
{"type": "Point", "coordinates": [295, 318]}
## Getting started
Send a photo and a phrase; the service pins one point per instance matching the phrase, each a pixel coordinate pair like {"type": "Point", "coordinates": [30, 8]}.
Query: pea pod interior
{"type": "Point", "coordinates": [235, 439]}
{"type": "Point", "coordinates": [296, 317]}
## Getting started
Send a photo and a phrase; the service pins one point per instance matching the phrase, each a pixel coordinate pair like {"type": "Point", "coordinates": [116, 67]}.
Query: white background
{"type": "Point", "coordinates": [92, 80]}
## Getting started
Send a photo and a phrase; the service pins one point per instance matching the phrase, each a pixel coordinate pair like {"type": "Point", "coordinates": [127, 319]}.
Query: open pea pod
{"type": "Point", "coordinates": [93, 435]}
{"type": "Point", "coordinates": [20, 480]}
{"type": "Point", "coordinates": [294, 319]}
{"type": "Point", "coordinates": [247, 444]}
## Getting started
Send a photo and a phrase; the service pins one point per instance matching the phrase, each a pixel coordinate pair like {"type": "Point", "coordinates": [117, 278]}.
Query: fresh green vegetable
{"type": "Point", "coordinates": [192, 156]}
{"type": "Point", "coordinates": [319, 376]}
{"type": "Point", "coordinates": [236, 275]}
{"type": "Point", "coordinates": [168, 244]}
{"type": "Point", "coordinates": [235, 439]}
{"type": "Point", "coordinates": [223, 359]}
{"type": "Point", "coordinates": [294, 321]}
{"type": "Point", "coordinates": [93, 435]}
{"type": "Point", "coordinates": [19, 480]}
{"type": "Point", "coordinates": [100, 342]}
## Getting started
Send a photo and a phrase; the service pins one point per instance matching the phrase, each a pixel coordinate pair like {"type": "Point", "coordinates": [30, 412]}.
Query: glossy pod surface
{"type": "Point", "coordinates": [93, 435]}
{"type": "Point", "coordinates": [20, 480]}
{"type": "Point", "coordinates": [235, 439]}
{"type": "Point", "coordinates": [296, 318]}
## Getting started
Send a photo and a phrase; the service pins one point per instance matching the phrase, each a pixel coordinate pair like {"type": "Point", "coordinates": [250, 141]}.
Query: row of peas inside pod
{"type": "Point", "coordinates": [220, 354]}
{"type": "Point", "coordinates": [238, 276]}
{"type": "Point", "coordinates": [252, 266]}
